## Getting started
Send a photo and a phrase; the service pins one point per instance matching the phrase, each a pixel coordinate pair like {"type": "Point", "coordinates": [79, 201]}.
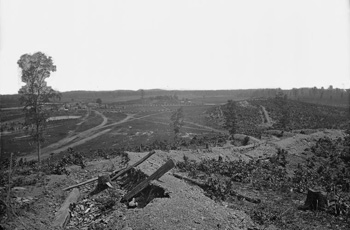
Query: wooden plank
{"type": "Point", "coordinates": [156, 175]}
{"type": "Point", "coordinates": [63, 214]}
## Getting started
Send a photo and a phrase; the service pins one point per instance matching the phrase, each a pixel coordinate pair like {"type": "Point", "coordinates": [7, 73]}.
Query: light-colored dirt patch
{"type": "Point", "coordinates": [187, 135]}
{"type": "Point", "coordinates": [245, 104]}
{"type": "Point", "coordinates": [187, 207]}
{"type": "Point", "coordinates": [298, 143]}
{"type": "Point", "coordinates": [21, 137]}
{"type": "Point", "coordinates": [267, 121]}
{"type": "Point", "coordinates": [58, 118]}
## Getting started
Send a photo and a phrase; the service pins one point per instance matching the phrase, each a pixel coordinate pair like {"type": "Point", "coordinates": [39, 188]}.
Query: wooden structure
{"type": "Point", "coordinates": [156, 175]}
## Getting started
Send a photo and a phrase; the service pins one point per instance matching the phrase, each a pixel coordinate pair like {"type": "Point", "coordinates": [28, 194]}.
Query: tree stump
{"type": "Point", "coordinates": [315, 200]}
{"type": "Point", "coordinates": [103, 182]}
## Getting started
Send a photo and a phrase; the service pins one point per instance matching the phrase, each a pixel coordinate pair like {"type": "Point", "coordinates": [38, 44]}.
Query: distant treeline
{"type": "Point", "coordinates": [329, 96]}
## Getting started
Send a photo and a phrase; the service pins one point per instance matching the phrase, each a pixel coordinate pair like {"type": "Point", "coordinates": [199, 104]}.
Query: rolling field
{"type": "Point", "coordinates": [133, 125]}
{"type": "Point", "coordinates": [147, 125]}
{"type": "Point", "coordinates": [17, 140]}
{"type": "Point", "coordinates": [128, 126]}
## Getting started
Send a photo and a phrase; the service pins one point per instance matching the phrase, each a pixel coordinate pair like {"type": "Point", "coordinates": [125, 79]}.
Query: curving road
{"type": "Point", "coordinates": [84, 136]}
{"type": "Point", "coordinates": [73, 140]}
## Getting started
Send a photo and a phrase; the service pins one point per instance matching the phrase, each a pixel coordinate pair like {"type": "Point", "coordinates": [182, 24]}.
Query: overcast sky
{"type": "Point", "coordinates": [179, 44]}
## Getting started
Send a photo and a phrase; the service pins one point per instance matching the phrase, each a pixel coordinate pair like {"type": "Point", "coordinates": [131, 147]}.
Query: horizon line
{"type": "Point", "coordinates": [161, 89]}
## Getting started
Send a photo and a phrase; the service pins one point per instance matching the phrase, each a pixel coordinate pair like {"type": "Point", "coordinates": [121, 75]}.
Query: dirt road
{"type": "Point", "coordinates": [268, 119]}
{"type": "Point", "coordinates": [76, 139]}
{"type": "Point", "coordinates": [73, 139]}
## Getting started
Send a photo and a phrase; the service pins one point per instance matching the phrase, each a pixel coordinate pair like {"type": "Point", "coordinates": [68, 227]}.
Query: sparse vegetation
{"type": "Point", "coordinates": [326, 170]}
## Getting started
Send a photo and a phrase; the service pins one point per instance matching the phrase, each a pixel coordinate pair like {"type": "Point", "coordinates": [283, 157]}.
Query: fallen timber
{"type": "Point", "coordinates": [156, 175]}
{"type": "Point", "coordinates": [119, 172]}
{"type": "Point", "coordinates": [63, 214]}
{"type": "Point", "coordinates": [204, 186]}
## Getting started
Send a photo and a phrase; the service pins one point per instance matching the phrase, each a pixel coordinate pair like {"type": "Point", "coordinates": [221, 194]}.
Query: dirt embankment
{"type": "Point", "coordinates": [187, 207]}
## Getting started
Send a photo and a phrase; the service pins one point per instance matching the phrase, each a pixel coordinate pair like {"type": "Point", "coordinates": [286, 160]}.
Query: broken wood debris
{"type": "Point", "coordinates": [156, 175]}
{"type": "Point", "coordinates": [119, 172]}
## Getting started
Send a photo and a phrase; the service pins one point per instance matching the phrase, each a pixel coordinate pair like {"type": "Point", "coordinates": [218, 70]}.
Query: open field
{"type": "Point", "coordinates": [124, 125]}
{"type": "Point", "coordinates": [16, 138]}
{"type": "Point", "coordinates": [135, 124]}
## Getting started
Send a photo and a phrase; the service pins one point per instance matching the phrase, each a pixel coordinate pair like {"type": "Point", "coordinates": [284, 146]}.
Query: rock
{"type": "Point", "coordinates": [132, 203]}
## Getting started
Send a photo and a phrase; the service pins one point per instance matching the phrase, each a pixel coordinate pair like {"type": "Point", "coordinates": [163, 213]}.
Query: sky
{"type": "Point", "coordinates": [182, 44]}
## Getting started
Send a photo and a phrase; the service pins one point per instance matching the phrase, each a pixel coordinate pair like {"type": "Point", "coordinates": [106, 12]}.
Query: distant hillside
{"type": "Point", "coordinates": [288, 115]}
{"type": "Point", "coordinates": [330, 96]}
{"type": "Point", "coordinates": [11, 100]}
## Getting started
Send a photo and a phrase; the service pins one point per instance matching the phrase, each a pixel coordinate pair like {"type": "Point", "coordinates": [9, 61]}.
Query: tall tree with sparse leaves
{"type": "Point", "coordinates": [35, 94]}
{"type": "Point", "coordinates": [229, 112]}
{"type": "Point", "coordinates": [177, 119]}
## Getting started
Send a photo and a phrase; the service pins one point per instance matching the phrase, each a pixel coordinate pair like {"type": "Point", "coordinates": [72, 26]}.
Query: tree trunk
{"type": "Point", "coordinates": [37, 137]}
{"type": "Point", "coordinates": [103, 182]}
{"type": "Point", "coordinates": [315, 200]}
{"type": "Point", "coordinates": [38, 151]}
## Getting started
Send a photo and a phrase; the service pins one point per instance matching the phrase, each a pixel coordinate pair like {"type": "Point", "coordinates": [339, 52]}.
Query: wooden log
{"type": "Point", "coordinates": [204, 186]}
{"type": "Point", "coordinates": [247, 198]}
{"type": "Point", "coordinates": [80, 184]}
{"type": "Point", "coordinates": [63, 214]}
{"type": "Point", "coordinates": [119, 172]}
{"type": "Point", "coordinates": [156, 175]}
{"type": "Point", "coordinates": [198, 183]}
